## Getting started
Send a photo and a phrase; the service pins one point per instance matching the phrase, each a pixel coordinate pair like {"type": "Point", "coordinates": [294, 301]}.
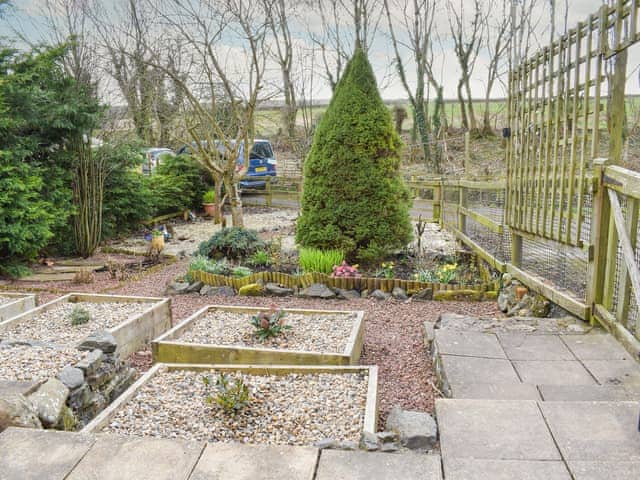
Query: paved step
{"type": "Point", "coordinates": [46, 454]}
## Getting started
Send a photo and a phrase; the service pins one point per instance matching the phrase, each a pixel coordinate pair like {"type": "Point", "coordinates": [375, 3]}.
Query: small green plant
{"type": "Point", "coordinates": [270, 323]}
{"type": "Point", "coordinates": [79, 316]}
{"type": "Point", "coordinates": [209, 197]}
{"type": "Point", "coordinates": [425, 275]}
{"type": "Point", "coordinates": [240, 272]}
{"type": "Point", "coordinates": [322, 261]}
{"type": "Point", "coordinates": [260, 258]}
{"type": "Point", "coordinates": [204, 264]}
{"type": "Point", "coordinates": [443, 274]}
{"type": "Point", "coordinates": [231, 243]}
{"type": "Point", "coordinates": [386, 270]}
{"type": "Point", "coordinates": [232, 394]}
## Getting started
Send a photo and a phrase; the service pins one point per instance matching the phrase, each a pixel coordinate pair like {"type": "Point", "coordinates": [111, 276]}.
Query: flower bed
{"type": "Point", "coordinates": [287, 405]}
{"type": "Point", "coordinates": [14, 304]}
{"type": "Point", "coordinates": [224, 334]}
{"type": "Point", "coordinates": [131, 320]}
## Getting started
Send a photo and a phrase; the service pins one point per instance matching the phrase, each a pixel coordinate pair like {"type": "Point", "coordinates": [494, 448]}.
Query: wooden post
{"type": "Point", "coordinates": [624, 290]}
{"type": "Point", "coordinates": [462, 203]}
{"type": "Point", "coordinates": [437, 203]}
{"type": "Point", "coordinates": [516, 249]}
{"type": "Point", "coordinates": [269, 195]}
{"type": "Point", "coordinates": [599, 237]}
{"type": "Point", "coordinates": [617, 115]}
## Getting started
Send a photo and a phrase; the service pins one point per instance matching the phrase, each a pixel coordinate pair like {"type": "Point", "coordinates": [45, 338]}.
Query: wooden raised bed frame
{"type": "Point", "coordinates": [169, 349]}
{"type": "Point", "coordinates": [131, 334]}
{"type": "Point", "coordinates": [23, 302]}
{"type": "Point", "coordinates": [371, 405]}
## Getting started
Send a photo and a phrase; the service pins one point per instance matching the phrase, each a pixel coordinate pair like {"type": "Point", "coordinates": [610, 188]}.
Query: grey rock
{"type": "Point", "coordinates": [369, 442]}
{"type": "Point", "coordinates": [103, 374]}
{"type": "Point", "coordinates": [102, 340]}
{"type": "Point", "coordinates": [317, 290]}
{"type": "Point", "coordinates": [348, 445]}
{"type": "Point", "coordinates": [347, 294]}
{"type": "Point", "coordinates": [507, 279]}
{"type": "Point", "coordinates": [90, 363]}
{"type": "Point", "coordinates": [417, 430]}
{"type": "Point", "coordinates": [387, 437]}
{"type": "Point", "coordinates": [389, 447]}
{"type": "Point", "coordinates": [504, 300]}
{"type": "Point", "coordinates": [49, 401]}
{"type": "Point", "coordinates": [17, 411]}
{"type": "Point", "coordinates": [176, 288]}
{"type": "Point", "coordinates": [277, 290]}
{"type": "Point", "coordinates": [224, 291]}
{"type": "Point", "coordinates": [399, 293]}
{"type": "Point", "coordinates": [364, 293]}
{"type": "Point", "coordinates": [380, 295]}
{"type": "Point", "coordinates": [424, 295]}
{"type": "Point", "coordinates": [80, 397]}
{"type": "Point", "coordinates": [71, 377]}
{"type": "Point", "coordinates": [327, 443]}
{"type": "Point", "coordinates": [193, 287]}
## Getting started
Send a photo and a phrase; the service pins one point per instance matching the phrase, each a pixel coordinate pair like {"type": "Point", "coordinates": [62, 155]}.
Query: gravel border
{"type": "Point", "coordinates": [54, 325]}
{"type": "Point", "coordinates": [294, 409]}
{"type": "Point", "coordinates": [326, 333]}
{"type": "Point", "coordinates": [35, 363]}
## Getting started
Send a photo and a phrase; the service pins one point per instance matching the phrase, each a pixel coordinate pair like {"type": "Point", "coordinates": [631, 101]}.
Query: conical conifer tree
{"type": "Point", "coordinates": [354, 198]}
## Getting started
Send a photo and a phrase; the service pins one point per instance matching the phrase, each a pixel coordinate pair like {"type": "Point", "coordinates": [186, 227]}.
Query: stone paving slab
{"type": "Point", "coordinates": [595, 431]}
{"type": "Point", "coordinates": [38, 454]}
{"type": "Point", "coordinates": [494, 430]}
{"type": "Point", "coordinates": [577, 393]}
{"type": "Point", "coordinates": [115, 458]}
{"type": "Point", "coordinates": [344, 465]}
{"type": "Point", "coordinates": [464, 370]}
{"type": "Point", "coordinates": [563, 372]}
{"type": "Point", "coordinates": [596, 347]}
{"type": "Point", "coordinates": [615, 372]}
{"type": "Point", "coordinates": [235, 461]}
{"type": "Point", "coordinates": [470, 344]}
{"type": "Point", "coordinates": [476, 469]}
{"type": "Point", "coordinates": [620, 470]}
{"type": "Point", "coordinates": [520, 346]}
{"type": "Point", "coordinates": [495, 391]}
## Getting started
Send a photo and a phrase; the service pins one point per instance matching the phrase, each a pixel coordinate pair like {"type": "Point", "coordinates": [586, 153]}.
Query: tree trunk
{"type": "Point", "coordinates": [290, 110]}
{"type": "Point", "coordinates": [421, 125]}
{"type": "Point", "coordinates": [463, 107]}
{"type": "Point", "coordinates": [473, 123]}
{"type": "Point", "coordinates": [237, 218]}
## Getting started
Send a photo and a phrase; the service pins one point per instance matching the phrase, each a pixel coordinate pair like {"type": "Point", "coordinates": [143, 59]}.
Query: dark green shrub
{"type": "Point", "coordinates": [179, 183]}
{"type": "Point", "coordinates": [354, 198]}
{"type": "Point", "coordinates": [232, 243]}
{"type": "Point", "coordinates": [260, 258]}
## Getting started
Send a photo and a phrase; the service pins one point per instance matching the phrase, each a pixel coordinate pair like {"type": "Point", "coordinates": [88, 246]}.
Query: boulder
{"type": "Point", "coordinates": [193, 287]}
{"type": "Point", "coordinates": [380, 295]}
{"type": "Point", "coordinates": [17, 411]}
{"type": "Point", "coordinates": [417, 430]}
{"type": "Point", "coordinates": [91, 362]}
{"type": "Point", "coordinates": [176, 288]}
{"type": "Point", "coordinates": [102, 340]}
{"type": "Point", "coordinates": [347, 294]}
{"type": "Point", "coordinates": [49, 401]}
{"type": "Point", "coordinates": [458, 295]}
{"type": "Point", "coordinates": [251, 290]}
{"type": "Point", "coordinates": [424, 295]}
{"type": "Point", "coordinates": [369, 442]}
{"type": "Point", "coordinates": [327, 443]}
{"type": "Point", "coordinates": [317, 290]}
{"type": "Point", "coordinates": [71, 377]}
{"type": "Point", "coordinates": [277, 290]}
{"type": "Point", "coordinates": [399, 293]}
{"type": "Point", "coordinates": [224, 291]}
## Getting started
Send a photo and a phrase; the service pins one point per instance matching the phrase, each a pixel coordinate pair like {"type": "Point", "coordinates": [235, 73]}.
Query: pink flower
{"type": "Point", "coordinates": [264, 323]}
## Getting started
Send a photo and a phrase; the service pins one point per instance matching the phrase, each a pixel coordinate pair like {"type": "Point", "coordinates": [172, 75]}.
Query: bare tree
{"type": "Point", "coordinates": [497, 47]}
{"type": "Point", "coordinates": [467, 38]}
{"type": "Point", "coordinates": [415, 19]}
{"type": "Point", "coordinates": [226, 44]}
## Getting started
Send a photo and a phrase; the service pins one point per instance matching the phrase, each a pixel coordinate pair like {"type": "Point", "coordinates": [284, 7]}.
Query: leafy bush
{"type": "Point", "coordinates": [232, 243]}
{"type": "Point", "coordinates": [209, 197]}
{"type": "Point", "coordinates": [269, 324]}
{"type": "Point", "coordinates": [232, 396]}
{"type": "Point", "coordinates": [260, 258]}
{"type": "Point", "coordinates": [354, 198]}
{"type": "Point", "coordinates": [79, 316]}
{"type": "Point", "coordinates": [240, 272]}
{"type": "Point", "coordinates": [204, 264]}
{"type": "Point", "coordinates": [322, 261]}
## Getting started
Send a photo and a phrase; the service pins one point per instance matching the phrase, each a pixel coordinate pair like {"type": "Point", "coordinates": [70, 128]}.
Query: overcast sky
{"type": "Point", "coordinates": [28, 18]}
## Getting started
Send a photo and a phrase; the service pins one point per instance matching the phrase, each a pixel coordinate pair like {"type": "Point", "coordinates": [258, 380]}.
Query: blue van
{"type": "Point", "coordinates": [262, 162]}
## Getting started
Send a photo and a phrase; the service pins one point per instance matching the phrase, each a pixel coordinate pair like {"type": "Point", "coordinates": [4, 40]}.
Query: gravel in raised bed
{"type": "Point", "coordinates": [5, 300]}
{"type": "Point", "coordinates": [54, 325]}
{"type": "Point", "coordinates": [293, 409]}
{"type": "Point", "coordinates": [327, 333]}
{"type": "Point", "coordinates": [33, 363]}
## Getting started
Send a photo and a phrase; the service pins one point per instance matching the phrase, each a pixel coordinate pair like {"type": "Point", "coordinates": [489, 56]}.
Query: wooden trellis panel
{"type": "Point", "coordinates": [559, 101]}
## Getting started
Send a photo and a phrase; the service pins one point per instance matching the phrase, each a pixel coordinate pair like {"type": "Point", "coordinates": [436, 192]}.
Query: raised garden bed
{"type": "Point", "coordinates": [223, 334]}
{"type": "Point", "coordinates": [14, 304]}
{"type": "Point", "coordinates": [25, 363]}
{"type": "Point", "coordinates": [132, 321]}
{"type": "Point", "coordinates": [288, 405]}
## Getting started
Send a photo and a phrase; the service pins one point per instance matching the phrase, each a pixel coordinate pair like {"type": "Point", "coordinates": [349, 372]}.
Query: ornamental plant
{"type": "Point", "coordinates": [232, 394]}
{"type": "Point", "coordinates": [79, 316]}
{"type": "Point", "coordinates": [321, 261]}
{"type": "Point", "coordinates": [386, 270]}
{"type": "Point", "coordinates": [270, 323]}
{"type": "Point", "coordinates": [345, 270]}
{"type": "Point", "coordinates": [354, 198]}
{"type": "Point", "coordinates": [443, 274]}
{"type": "Point", "coordinates": [209, 197]}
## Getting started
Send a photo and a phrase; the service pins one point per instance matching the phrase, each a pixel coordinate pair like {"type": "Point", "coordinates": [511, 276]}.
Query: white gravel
{"type": "Point", "coordinates": [327, 333]}
{"type": "Point", "coordinates": [289, 410]}
{"type": "Point", "coordinates": [5, 300]}
{"type": "Point", "coordinates": [26, 363]}
{"type": "Point", "coordinates": [54, 325]}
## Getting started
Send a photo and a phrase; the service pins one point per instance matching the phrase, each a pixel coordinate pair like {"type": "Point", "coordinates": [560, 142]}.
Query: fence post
{"type": "Point", "coordinates": [437, 203]}
{"type": "Point", "coordinates": [268, 191]}
{"type": "Point", "coordinates": [462, 203]}
{"type": "Point", "coordinates": [600, 225]}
